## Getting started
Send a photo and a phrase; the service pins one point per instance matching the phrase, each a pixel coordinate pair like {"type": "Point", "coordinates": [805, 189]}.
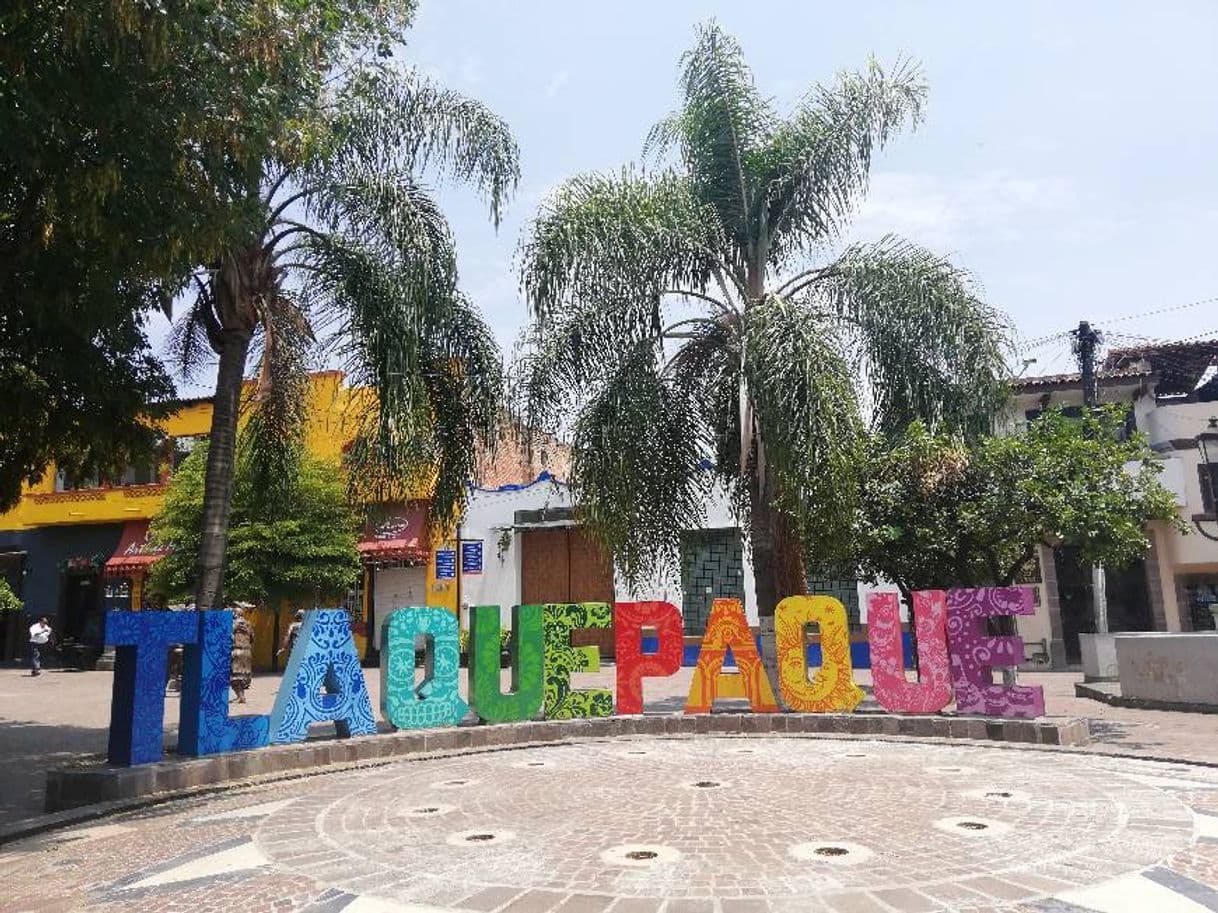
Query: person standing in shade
{"type": "Point", "coordinates": [241, 670]}
{"type": "Point", "coordinates": [40, 636]}
{"type": "Point", "coordinates": [289, 639]}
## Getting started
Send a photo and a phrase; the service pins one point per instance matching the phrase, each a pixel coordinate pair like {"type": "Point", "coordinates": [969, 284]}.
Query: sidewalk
{"type": "Point", "coordinates": [50, 720]}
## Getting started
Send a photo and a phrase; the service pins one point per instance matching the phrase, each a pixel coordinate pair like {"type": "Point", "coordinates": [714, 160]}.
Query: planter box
{"type": "Point", "coordinates": [1169, 668]}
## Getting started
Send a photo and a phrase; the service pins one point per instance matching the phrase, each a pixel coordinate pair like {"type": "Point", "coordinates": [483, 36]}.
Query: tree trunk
{"type": "Point", "coordinates": [221, 468]}
{"type": "Point", "coordinates": [778, 566]}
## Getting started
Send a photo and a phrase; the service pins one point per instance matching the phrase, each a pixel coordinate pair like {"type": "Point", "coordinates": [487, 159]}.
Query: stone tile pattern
{"type": "Point", "coordinates": [712, 566]}
{"type": "Point", "coordinates": [1075, 821]}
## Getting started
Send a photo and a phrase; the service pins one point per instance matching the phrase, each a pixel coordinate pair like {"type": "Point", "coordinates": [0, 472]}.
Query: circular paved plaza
{"type": "Point", "coordinates": [678, 825]}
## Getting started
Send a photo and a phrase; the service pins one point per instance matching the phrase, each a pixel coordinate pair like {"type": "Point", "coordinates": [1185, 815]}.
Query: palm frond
{"type": "Point", "coordinates": [722, 122]}
{"type": "Point", "coordinates": [803, 395]}
{"type": "Point", "coordinates": [277, 404]}
{"type": "Point", "coordinates": [928, 348]}
{"type": "Point", "coordinates": [636, 465]}
{"type": "Point", "coordinates": [815, 166]}
{"type": "Point", "coordinates": [617, 237]}
{"type": "Point", "coordinates": [560, 363]}
{"type": "Point", "coordinates": [390, 120]}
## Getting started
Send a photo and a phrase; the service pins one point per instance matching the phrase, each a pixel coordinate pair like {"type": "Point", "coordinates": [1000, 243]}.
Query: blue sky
{"type": "Point", "coordinates": [1068, 157]}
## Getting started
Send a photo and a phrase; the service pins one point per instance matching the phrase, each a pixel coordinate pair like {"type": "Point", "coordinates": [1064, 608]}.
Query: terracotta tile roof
{"type": "Point", "coordinates": [1179, 365]}
{"type": "Point", "coordinates": [1076, 379]}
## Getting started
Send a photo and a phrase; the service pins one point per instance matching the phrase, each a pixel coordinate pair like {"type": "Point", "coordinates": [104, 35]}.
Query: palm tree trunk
{"type": "Point", "coordinates": [778, 565]}
{"type": "Point", "coordinates": [221, 468]}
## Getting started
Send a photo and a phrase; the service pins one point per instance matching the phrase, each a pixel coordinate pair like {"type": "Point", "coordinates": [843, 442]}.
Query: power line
{"type": "Point", "coordinates": [1040, 340]}
{"type": "Point", "coordinates": [1155, 313]}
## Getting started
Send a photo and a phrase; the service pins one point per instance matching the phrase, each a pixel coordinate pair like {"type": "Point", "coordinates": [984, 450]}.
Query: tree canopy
{"type": "Point", "coordinates": [289, 538]}
{"type": "Point", "coordinates": [348, 256]}
{"type": "Point", "coordinates": [676, 318]}
{"type": "Point", "coordinates": [935, 512]}
{"type": "Point", "coordinates": [131, 130]}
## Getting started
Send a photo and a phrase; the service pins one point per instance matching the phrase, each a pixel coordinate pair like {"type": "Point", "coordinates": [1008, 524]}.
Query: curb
{"type": "Point", "coordinates": [1085, 689]}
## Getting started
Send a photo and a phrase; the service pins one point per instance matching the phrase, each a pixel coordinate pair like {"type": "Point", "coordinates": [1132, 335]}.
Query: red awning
{"type": "Point", "coordinates": [396, 532]}
{"type": "Point", "coordinates": [134, 555]}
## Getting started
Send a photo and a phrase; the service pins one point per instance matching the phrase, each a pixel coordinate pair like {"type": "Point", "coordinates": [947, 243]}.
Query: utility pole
{"type": "Point", "coordinates": [1086, 340]}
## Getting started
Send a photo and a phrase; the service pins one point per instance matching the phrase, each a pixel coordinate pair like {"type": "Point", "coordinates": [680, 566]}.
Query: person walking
{"type": "Point", "coordinates": [241, 669]}
{"type": "Point", "coordinates": [40, 636]}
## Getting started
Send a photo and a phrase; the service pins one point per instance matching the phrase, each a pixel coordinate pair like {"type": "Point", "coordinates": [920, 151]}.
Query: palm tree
{"type": "Point", "coordinates": [676, 319]}
{"type": "Point", "coordinates": [344, 255]}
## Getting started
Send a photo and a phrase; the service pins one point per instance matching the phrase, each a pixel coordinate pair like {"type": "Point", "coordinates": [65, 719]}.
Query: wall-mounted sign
{"type": "Point", "coordinates": [446, 563]}
{"type": "Point", "coordinates": [471, 557]}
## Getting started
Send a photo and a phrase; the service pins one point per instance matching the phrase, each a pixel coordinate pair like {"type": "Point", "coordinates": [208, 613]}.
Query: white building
{"type": "Point", "coordinates": [1172, 588]}
{"type": "Point", "coordinates": [535, 552]}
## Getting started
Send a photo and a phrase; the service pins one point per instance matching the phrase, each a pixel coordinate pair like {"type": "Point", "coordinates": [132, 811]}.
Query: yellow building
{"type": "Point", "coordinates": [75, 548]}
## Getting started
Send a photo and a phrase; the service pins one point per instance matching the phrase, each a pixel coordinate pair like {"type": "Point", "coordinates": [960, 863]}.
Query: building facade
{"type": "Point", "coordinates": [1171, 393]}
{"type": "Point", "coordinates": [74, 548]}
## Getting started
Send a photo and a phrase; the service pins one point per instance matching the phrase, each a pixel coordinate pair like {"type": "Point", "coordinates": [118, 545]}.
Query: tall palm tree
{"type": "Point", "coordinates": [345, 255]}
{"type": "Point", "coordinates": [676, 319]}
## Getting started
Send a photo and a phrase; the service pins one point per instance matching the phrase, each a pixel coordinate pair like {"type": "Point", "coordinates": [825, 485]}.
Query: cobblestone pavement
{"type": "Point", "coordinates": [47, 721]}
{"type": "Point", "coordinates": [697, 825]}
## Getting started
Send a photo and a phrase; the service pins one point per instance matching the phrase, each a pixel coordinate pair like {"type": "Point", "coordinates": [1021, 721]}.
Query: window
{"type": "Point", "coordinates": [184, 446]}
{"type": "Point", "coordinates": [139, 474]}
{"type": "Point", "coordinates": [66, 482]}
{"type": "Point", "coordinates": [1207, 475]}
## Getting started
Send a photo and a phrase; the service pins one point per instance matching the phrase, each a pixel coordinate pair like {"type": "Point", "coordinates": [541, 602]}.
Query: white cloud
{"type": "Point", "coordinates": [556, 83]}
{"type": "Point", "coordinates": [941, 211]}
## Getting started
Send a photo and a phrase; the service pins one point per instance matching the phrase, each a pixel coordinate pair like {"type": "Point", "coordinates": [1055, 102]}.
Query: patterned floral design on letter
{"type": "Point", "coordinates": [324, 655]}
{"type": "Point", "coordinates": [437, 701]}
{"type": "Point", "coordinates": [561, 659]}
{"type": "Point", "coordinates": [633, 665]}
{"type": "Point", "coordinates": [933, 691]}
{"type": "Point", "coordinates": [524, 700]}
{"type": "Point", "coordinates": [832, 687]}
{"type": "Point", "coordinates": [975, 654]}
{"type": "Point", "coordinates": [204, 725]}
{"type": "Point", "coordinates": [728, 628]}
{"type": "Point", "coordinates": [141, 658]}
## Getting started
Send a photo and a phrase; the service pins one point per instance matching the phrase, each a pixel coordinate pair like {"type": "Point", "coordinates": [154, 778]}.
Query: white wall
{"type": "Point", "coordinates": [1184, 421]}
{"type": "Point", "coordinates": [487, 516]}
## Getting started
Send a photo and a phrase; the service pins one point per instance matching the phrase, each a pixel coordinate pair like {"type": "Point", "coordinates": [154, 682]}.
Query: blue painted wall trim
{"type": "Point", "coordinates": [860, 653]}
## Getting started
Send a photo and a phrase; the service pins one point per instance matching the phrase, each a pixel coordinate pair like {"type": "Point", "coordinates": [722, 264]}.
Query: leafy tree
{"type": "Point", "coordinates": [934, 512]}
{"type": "Point", "coordinates": [347, 255]}
{"type": "Point", "coordinates": [676, 318]}
{"type": "Point", "coordinates": [295, 538]}
{"type": "Point", "coordinates": [9, 602]}
{"type": "Point", "coordinates": [130, 129]}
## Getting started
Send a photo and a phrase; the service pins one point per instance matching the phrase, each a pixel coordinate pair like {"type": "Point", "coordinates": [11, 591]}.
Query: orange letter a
{"type": "Point", "coordinates": [728, 628]}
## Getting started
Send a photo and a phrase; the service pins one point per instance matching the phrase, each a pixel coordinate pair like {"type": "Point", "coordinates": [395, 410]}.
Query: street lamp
{"type": "Point", "coordinates": [1207, 444]}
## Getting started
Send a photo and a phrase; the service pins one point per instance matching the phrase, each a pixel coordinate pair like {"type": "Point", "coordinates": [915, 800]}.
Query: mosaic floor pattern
{"type": "Point", "coordinates": [709, 825]}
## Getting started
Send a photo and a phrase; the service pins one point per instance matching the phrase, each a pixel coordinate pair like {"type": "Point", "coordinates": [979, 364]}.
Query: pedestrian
{"type": "Point", "coordinates": [289, 639]}
{"type": "Point", "coordinates": [241, 669]}
{"type": "Point", "coordinates": [40, 636]}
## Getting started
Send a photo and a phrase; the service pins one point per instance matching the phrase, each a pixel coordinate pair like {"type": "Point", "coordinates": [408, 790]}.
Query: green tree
{"type": "Point", "coordinates": [676, 318]}
{"type": "Point", "coordinates": [9, 602]}
{"type": "Point", "coordinates": [130, 129]}
{"type": "Point", "coordinates": [934, 512]}
{"type": "Point", "coordinates": [347, 255]}
{"type": "Point", "coordinates": [292, 539]}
